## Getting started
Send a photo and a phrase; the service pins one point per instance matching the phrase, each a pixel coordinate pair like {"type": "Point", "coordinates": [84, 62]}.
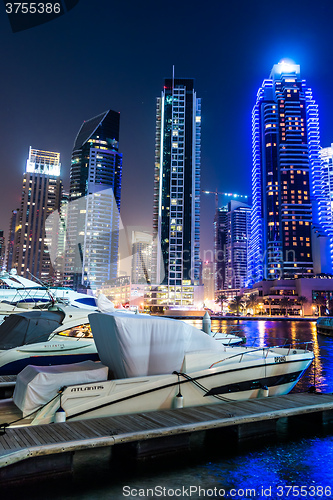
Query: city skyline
{"type": "Point", "coordinates": [45, 99]}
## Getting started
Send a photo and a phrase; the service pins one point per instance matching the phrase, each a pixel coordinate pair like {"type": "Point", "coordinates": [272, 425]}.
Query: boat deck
{"type": "Point", "coordinates": [32, 442]}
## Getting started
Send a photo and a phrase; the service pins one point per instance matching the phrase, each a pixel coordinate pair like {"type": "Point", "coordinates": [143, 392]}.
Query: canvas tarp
{"type": "Point", "coordinates": [28, 327]}
{"type": "Point", "coordinates": [139, 345]}
{"type": "Point", "coordinates": [37, 385]}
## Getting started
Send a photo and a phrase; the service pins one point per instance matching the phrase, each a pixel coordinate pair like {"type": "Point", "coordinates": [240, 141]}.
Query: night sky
{"type": "Point", "coordinates": [105, 54]}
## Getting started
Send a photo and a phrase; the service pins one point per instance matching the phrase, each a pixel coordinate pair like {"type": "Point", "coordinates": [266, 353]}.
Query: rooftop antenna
{"type": "Point", "coordinates": [173, 75]}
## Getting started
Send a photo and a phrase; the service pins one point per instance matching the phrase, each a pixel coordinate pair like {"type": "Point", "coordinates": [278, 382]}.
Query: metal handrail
{"type": "Point", "coordinates": [241, 354]}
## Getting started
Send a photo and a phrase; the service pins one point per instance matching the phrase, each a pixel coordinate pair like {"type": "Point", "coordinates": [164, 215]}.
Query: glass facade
{"type": "Point", "coordinates": [94, 203]}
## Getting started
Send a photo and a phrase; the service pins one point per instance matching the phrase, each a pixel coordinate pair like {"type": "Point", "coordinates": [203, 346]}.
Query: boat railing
{"type": "Point", "coordinates": [265, 351]}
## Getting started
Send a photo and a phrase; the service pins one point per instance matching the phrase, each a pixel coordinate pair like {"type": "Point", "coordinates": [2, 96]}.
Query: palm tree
{"type": "Point", "coordinates": [302, 300]}
{"type": "Point", "coordinates": [270, 300]}
{"type": "Point", "coordinates": [237, 301]}
{"type": "Point", "coordinates": [251, 301]}
{"type": "Point", "coordinates": [220, 300]}
{"type": "Point", "coordinates": [320, 301]}
{"type": "Point", "coordinates": [284, 302]}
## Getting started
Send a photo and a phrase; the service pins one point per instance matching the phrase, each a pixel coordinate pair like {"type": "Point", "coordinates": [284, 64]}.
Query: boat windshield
{"type": "Point", "coordinates": [78, 331]}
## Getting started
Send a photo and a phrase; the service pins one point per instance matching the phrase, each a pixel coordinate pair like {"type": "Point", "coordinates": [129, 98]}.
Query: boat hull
{"type": "Point", "coordinates": [325, 326]}
{"type": "Point", "coordinates": [226, 383]}
{"type": "Point", "coordinates": [59, 351]}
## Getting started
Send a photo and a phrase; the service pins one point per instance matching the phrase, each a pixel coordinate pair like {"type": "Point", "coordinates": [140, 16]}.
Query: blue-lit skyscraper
{"type": "Point", "coordinates": [287, 197]}
{"type": "Point", "coordinates": [94, 203]}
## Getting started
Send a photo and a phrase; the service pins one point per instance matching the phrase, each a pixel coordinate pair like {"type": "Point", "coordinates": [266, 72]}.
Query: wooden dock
{"type": "Point", "coordinates": [22, 449]}
{"type": "Point", "coordinates": [7, 385]}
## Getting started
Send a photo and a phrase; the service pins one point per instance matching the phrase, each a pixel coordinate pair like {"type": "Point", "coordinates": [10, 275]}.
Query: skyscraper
{"type": "Point", "coordinates": [2, 250]}
{"type": "Point", "coordinates": [286, 177]}
{"type": "Point", "coordinates": [177, 188]}
{"type": "Point", "coordinates": [238, 236]}
{"type": "Point", "coordinates": [220, 247]}
{"type": "Point", "coordinates": [41, 193]}
{"type": "Point", "coordinates": [13, 227]}
{"type": "Point", "coordinates": [94, 203]}
{"type": "Point", "coordinates": [326, 155]}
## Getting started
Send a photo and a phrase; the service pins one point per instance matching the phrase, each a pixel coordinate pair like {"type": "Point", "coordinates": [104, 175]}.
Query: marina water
{"type": "Point", "coordinates": [293, 464]}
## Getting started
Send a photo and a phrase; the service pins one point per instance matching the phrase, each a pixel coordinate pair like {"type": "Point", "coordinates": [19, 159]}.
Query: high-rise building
{"type": "Point", "coordinates": [13, 228]}
{"type": "Point", "coordinates": [60, 245]}
{"type": "Point", "coordinates": [94, 203]}
{"type": "Point", "coordinates": [238, 238]}
{"type": "Point", "coordinates": [177, 189]}
{"type": "Point", "coordinates": [326, 155]}
{"type": "Point", "coordinates": [286, 177]}
{"type": "Point", "coordinates": [220, 247]}
{"type": "Point", "coordinates": [29, 238]}
{"type": "Point", "coordinates": [2, 250]}
{"type": "Point", "coordinates": [232, 237]}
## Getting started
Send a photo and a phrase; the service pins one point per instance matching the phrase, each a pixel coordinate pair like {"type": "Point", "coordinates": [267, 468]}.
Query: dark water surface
{"type": "Point", "coordinates": [298, 463]}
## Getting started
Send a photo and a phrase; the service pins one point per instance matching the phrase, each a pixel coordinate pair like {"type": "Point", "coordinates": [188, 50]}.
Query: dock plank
{"type": "Point", "coordinates": [28, 441]}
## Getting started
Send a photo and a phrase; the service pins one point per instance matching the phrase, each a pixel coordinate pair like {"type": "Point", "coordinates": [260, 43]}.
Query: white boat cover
{"type": "Point", "coordinates": [104, 304]}
{"type": "Point", "coordinates": [29, 327]}
{"type": "Point", "coordinates": [37, 385]}
{"type": "Point", "coordinates": [135, 345]}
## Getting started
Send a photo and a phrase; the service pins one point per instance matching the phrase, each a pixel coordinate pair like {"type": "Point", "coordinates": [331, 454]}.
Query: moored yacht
{"type": "Point", "coordinates": [51, 337]}
{"type": "Point", "coordinates": [150, 363]}
{"type": "Point", "coordinates": [20, 291]}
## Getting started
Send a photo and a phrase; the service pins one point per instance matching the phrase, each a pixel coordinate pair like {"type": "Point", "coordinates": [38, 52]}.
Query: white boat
{"type": "Point", "coordinates": [51, 337]}
{"type": "Point", "coordinates": [151, 363]}
{"type": "Point", "coordinates": [21, 291]}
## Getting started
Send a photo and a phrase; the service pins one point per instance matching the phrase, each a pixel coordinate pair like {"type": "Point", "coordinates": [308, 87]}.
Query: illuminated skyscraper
{"type": "Point", "coordinates": [238, 235]}
{"type": "Point", "coordinates": [177, 189]}
{"type": "Point", "coordinates": [94, 203]}
{"type": "Point", "coordinates": [326, 155]}
{"type": "Point", "coordinates": [41, 194]}
{"type": "Point", "coordinates": [220, 247]}
{"type": "Point", "coordinates": [286, 178]}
